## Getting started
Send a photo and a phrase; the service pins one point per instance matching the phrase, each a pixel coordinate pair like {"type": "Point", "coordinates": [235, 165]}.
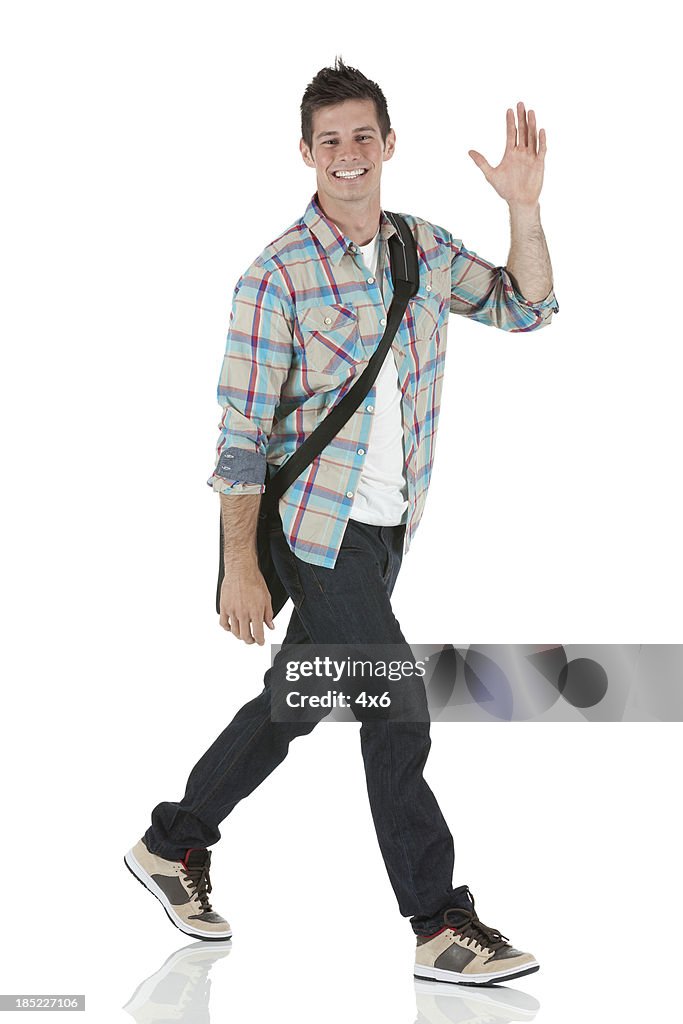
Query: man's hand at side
{"type": "Point", "coordinates": [245, 599]}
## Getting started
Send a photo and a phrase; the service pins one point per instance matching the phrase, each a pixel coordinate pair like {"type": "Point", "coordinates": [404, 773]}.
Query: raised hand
{"type": "Point", "coordinates": [518, 178]}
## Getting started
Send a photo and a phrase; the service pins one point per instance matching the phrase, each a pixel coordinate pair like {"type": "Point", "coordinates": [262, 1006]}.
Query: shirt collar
{"type": "Point", "coordinates": [335, 242]}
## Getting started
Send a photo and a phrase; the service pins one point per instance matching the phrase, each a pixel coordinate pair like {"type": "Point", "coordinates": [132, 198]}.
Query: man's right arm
{"type": "Point", "coordinates": [245, 599]}
{"type": "Point", "coordinates": [256, 363]}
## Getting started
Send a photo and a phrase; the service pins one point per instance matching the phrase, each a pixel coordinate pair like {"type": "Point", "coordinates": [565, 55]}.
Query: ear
{"type": "Point", "coordinates": [306, 154]}
{"type": "Point", "coordinates": [389, 145]}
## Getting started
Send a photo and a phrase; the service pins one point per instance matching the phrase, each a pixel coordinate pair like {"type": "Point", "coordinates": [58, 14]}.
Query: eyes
{"type": "Point", "coordinates": [328, 141]}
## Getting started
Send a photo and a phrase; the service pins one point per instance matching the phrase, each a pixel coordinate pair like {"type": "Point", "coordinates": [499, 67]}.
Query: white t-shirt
{"type": "Point", "coordinates": [381, 496]}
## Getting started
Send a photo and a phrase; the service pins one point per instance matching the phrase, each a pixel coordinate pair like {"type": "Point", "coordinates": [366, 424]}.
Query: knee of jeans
{"type": "Point", "coordinates": [413, 735]}
{"type": "Point", "coordinates": [288, 731]}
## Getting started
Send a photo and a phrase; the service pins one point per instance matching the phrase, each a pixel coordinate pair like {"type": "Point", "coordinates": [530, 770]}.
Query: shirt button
{"type": "Point", "coordinates": [383, 321]}
{"type": "Point", "coordinates": [369, 407]}
{"type": "Point", "coordinates": [371, 280]}
{"type": "Point", "coordinates": [361, 451]}
{"type": "Point", "coordinates": [429, 287]}
{"type": "Point", "coordinates": [349, 494]}
{"type": "Point", "coordinates": [328, 319]}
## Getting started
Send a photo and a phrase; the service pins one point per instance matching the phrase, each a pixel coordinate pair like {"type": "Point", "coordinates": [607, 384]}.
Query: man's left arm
{"type": "Point", "coordinates": [528, 262]}
{"type": "Point", "coordinates": [520, 295]}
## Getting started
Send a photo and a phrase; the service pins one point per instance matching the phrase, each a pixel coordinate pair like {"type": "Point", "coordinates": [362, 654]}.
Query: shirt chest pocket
{"type": "Point", "coordinates": [330, 335]}
{"type": "Point", "coordinates": [430, 302]}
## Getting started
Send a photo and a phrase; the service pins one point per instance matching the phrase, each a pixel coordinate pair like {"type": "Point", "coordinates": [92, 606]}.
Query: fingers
{"type": "Point", "coordinates": [241, 628]}
{"type": "Point", "coordinates": [481, 162]}
{"type": "Point", "coordinates": [511, 140]}
{"type": "Point", "coordinates": [257, 628]}
{"type": "Point", "coordinates": [523, 133]}
{"type": "Point", "coordinates": [528, 137]}
{"type": "Point", "coordinates": [532, 132]}
{"type": "Point", "coordinates": [247, 628]}
{"type": "Point", "coordinates": [245, 604]}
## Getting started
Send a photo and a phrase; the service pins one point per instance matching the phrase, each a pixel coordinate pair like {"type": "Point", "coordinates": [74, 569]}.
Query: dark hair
{"type": "Point", "coordinates": [334, 85]}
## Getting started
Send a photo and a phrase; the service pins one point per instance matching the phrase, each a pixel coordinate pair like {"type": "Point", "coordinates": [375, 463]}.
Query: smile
{"type": "Point", "coordinates": [350, 175]}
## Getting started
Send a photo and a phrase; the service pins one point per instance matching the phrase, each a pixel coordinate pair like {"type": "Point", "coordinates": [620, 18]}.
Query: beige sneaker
{"type": "Point", "coordinates": [182, 888]}
{"type": "Point", "coordinates": [467, 952]}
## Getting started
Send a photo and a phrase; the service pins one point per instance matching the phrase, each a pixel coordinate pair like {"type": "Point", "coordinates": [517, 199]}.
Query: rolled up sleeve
{"type": "Point", "coordinates": [484, 292]}
{"type": "Point", "coordinates": [256, 363]}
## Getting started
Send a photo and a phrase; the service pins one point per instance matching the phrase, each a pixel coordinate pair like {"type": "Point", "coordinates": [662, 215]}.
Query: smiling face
{"type": "Point", "coordinates": [347, 151]}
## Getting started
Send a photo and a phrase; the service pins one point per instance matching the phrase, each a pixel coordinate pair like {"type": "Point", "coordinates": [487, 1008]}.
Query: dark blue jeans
{"type": "Point", "coordinates": [347, 604]}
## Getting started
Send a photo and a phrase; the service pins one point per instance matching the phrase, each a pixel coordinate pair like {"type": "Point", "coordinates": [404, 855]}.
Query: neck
{"type": "Point", "coordinates": [358, 221]}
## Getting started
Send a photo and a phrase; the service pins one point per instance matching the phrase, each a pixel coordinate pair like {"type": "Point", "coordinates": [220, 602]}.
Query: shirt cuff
{"type": "Point", "coordinates": [239, 471]}
{"type": "Point", "coordinates": [222, 486]}
{"type": "Point", "coordinates": [549, 303]}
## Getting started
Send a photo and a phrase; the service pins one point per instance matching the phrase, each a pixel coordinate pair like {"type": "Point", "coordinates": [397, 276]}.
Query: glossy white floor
{"type": "Point", "coordinates": [568, 841]}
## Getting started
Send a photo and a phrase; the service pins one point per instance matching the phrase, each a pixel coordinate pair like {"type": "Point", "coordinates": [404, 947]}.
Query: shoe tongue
{"type": "Point", "coordinates": [457, 918]}
{"type": "Point", "coordinates": [461, 898]}
{"type": "Point", "coordinates": [197, 858]}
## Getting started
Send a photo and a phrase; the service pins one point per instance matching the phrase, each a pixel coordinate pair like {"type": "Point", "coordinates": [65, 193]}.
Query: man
{"type": "Point", "coordinates": [306, 317]}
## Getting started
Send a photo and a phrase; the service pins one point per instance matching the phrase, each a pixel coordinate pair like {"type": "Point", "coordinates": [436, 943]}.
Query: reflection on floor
{"type": "Point", "coordinates": [179, 991]}
{"type": "Point", "coordinates": [442, 1003]}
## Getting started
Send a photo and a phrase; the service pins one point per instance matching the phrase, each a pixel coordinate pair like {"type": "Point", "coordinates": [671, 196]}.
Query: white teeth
{"type": "Point", "coordinates": [349, 174]}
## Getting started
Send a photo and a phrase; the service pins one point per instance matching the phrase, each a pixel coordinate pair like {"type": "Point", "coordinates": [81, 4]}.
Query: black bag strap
{"type": "Point", "coordinates": [405, 276]}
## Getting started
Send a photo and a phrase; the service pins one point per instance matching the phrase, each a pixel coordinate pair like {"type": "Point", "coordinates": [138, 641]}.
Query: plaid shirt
{"type": "Point", "coordinates": [307, 316]}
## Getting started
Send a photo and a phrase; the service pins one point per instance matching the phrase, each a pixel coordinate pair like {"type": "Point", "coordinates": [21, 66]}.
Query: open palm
{"type": "Point", "coordinates": [518, 178]}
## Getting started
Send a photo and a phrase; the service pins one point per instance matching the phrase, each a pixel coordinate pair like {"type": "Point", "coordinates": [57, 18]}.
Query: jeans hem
{"type": "Point", "coordinates": [163, 850]}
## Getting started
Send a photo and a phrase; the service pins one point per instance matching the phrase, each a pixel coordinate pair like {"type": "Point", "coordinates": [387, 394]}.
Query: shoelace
{"type": "Point", "coordinates": [199, 879]}
{"type": "Point", "coordinates": [470, 927]}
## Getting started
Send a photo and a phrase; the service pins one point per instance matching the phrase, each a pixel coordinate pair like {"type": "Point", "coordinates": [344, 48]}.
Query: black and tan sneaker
{"type": "Point", "coordinates": [182, 888]}
{"type": "Point", "coordinates": [467, 952]}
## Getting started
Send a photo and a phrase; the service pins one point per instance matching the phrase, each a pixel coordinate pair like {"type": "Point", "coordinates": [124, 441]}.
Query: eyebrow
{"type": "Point", "coordinates": [365, 128]}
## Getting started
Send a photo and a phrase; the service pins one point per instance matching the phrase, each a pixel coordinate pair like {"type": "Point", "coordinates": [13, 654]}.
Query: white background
{"type": "Point", "coordinates": [150, 153]}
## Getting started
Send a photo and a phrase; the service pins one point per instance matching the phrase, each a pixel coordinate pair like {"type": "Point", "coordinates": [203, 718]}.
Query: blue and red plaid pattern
{"type": "Point", "coordinates": [306, 317]}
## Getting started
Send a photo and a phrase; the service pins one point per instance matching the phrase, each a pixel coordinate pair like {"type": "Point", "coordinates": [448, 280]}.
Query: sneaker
{"type": "Point", "coordinates": [182, 888]}
{"type": "Point", "coordinates": [467, 952]}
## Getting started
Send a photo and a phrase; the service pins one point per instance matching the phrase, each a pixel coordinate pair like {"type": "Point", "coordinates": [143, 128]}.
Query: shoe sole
{"type": "Point", "coordinates": [437, 974]}
{"type": "Point", "coordinates": [137, 870]}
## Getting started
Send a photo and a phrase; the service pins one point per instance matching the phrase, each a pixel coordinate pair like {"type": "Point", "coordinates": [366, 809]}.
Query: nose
{"type": "Point", "coordinates": [349, 153]}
